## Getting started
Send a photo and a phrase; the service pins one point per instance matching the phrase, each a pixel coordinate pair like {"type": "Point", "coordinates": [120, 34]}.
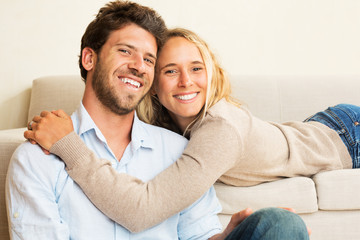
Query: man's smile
{"type": "Point", "coordinates": [131, 82]}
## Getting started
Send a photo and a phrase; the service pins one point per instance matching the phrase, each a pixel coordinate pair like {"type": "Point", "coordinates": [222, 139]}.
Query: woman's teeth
{"type": "Point", "coordinates": [186, 97]}
{"type": "Point", "coordinates": [131, 82]}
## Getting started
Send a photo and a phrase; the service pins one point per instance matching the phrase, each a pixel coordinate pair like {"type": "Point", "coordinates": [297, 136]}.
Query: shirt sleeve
{"type": "Point", "coordinates": [137, 205]}
{"type": "Point", "coordinates": [200, 220]}
{"type": "Point", "coordinates": [30, 196]}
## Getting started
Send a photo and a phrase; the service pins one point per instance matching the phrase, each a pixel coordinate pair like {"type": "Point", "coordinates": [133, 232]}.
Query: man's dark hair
{"type": "Point", "coordinates": [116, 15]}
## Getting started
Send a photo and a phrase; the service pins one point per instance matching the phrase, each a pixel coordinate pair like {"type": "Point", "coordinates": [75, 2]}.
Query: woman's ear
{"type": "Point", "coordinates": [88, 58]}
{"type": "Point", "coordinates": [152, 91]}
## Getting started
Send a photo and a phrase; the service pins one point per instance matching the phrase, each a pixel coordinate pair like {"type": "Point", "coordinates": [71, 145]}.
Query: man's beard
{"type": "Point", "coordinates": [107, 94]}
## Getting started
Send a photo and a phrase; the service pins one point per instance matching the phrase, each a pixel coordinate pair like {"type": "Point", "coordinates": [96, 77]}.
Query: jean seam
{"type": "Point", "coordinates": [348, 111]}
{"type": "Point", "coordinates": [345, 130]}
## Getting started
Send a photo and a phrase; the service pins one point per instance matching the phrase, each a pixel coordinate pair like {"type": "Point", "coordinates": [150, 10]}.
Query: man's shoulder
{"type": "Point", "coordinates": [168, 144]}
{"type": "Point", "coordinates": [30, 155]}
{"type": "Point", "coordinates": [164, 134]}
{"type": "Point", "coordinates": [30, 168]}
{"type": "Point", "coordinates": [27, 148]}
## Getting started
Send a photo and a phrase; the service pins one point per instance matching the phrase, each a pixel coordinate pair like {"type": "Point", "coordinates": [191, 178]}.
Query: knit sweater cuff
{"type": "Point", "coordinates": [72, 150]}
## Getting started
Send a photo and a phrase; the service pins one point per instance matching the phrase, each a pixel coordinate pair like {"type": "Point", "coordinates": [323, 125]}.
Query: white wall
{"type": "Point", "coordinates": [251, 37]}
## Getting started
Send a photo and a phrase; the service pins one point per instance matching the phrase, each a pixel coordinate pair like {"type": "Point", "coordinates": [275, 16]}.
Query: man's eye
{"type": "Point", "coordinates": [149, 60]}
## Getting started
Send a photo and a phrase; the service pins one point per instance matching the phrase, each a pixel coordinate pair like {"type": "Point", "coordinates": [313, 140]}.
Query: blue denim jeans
{"type": "Point", "coordinates": [345, 120]}
{"type": "Point", "coordinates": [270, 224]}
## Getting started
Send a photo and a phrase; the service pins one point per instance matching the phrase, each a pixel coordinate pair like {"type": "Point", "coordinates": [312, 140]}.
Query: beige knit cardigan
{"type": "Point", "coordinates": [230, 145]}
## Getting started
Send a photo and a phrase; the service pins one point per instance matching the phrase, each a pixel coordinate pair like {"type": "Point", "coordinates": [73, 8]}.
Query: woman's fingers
{"type": "Point", "coordinates": [60, 113]}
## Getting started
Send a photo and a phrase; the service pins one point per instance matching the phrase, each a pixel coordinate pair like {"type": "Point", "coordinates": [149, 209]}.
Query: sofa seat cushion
{"type": "Point", "coordinates": [338, 190]}
{"type": "Point", "coordinates": [298, 193]}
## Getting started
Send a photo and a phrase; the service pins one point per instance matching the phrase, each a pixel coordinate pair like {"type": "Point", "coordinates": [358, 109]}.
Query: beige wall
{"type": "Point", "coordinates": [251, 37]}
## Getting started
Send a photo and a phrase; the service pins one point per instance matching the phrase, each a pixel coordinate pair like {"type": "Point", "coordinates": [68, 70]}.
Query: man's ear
{"type": "Point", "coordinates": [88, 58]}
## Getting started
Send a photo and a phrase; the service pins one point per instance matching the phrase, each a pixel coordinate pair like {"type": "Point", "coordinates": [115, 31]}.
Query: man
{"type": "Point", "coordinates": [117, 62]}
{"type": "Point", "coordinates": [118, 54]}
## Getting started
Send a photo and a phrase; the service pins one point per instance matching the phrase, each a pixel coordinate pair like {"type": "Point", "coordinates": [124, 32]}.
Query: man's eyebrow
{"type": "Point", "coordinates": [134, 48]}
{"type": "Point", "coordinates": [152, 56]}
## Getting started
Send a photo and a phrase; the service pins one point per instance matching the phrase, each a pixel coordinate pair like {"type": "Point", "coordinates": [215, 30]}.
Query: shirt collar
{"type": "Point", "coordinates": [140, 136]}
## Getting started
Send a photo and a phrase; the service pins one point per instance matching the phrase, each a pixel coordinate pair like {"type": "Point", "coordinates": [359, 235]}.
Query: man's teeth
{"type": "Point", "coordinates": [130, 81]}
{"type": "Point", "coordinates": [186, 97]}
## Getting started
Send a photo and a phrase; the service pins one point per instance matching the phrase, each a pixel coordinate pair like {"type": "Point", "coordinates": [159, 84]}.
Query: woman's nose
{"type": "Point", "coordinates": [185, 80]}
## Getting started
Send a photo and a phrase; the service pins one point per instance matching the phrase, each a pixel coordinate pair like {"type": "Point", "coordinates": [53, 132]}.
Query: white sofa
{"type": "Point", "coordinates": [329, 202]}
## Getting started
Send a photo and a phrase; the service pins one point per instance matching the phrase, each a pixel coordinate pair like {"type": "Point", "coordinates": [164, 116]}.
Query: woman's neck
{"type": "Point", "coordinates": [182, 122]}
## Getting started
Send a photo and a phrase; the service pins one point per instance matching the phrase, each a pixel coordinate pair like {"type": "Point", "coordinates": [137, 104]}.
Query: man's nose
{"type": "Point", "coordinates": [137, 63]}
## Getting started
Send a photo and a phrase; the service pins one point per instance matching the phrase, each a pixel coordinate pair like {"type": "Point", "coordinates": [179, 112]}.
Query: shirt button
{"type": "Point", "coordinates": [16, 215]}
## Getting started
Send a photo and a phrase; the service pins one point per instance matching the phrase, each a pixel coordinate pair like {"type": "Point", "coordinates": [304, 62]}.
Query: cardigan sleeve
{"type": "Point", "coordinates": [138, 205]}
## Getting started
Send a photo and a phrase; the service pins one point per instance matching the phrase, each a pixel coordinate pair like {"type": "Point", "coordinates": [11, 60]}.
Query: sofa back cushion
{"type": "Point", "coordinates": [288, 98]}
{"type": "Point", "coordinates": [55, 92]}
{"type": "Point", "coordinates": [272, 98]}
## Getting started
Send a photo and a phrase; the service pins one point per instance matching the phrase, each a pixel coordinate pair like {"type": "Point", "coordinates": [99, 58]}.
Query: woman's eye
{"type": "Point", "coordinates": [195, 69]}
{"type": "Point", "coordinates": [170, 71]}
{"type": "Point", "coordinates": [124, 51]}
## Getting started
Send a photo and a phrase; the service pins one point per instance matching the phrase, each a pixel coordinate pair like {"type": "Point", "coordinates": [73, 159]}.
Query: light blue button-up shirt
{"type": "Point", "coordinates": [43, 202]}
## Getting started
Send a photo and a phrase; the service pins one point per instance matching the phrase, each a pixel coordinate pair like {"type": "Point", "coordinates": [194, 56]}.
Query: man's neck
{"type": "Point", "coordinates": [115, 128]}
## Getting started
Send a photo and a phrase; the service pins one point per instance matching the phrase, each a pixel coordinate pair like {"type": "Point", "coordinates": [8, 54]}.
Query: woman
{"type": "Point", "coordinates": [191, 95]}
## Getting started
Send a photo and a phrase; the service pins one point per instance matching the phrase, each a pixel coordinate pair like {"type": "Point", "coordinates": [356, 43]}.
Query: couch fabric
{"type": "Point", "coordinates": [329, 202]}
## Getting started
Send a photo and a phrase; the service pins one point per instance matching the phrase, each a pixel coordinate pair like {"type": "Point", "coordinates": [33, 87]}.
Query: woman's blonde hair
{"type": "Point", "coordinates": [150, 109]}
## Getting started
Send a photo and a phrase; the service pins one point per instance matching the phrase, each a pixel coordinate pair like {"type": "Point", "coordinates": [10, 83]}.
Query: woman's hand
{"type": "Point", "coordinates": [48, 128]}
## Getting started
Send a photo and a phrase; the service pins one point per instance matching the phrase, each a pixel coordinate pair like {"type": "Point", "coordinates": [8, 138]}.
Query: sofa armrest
{"type": "Point", "coordinates": [9, 141]}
